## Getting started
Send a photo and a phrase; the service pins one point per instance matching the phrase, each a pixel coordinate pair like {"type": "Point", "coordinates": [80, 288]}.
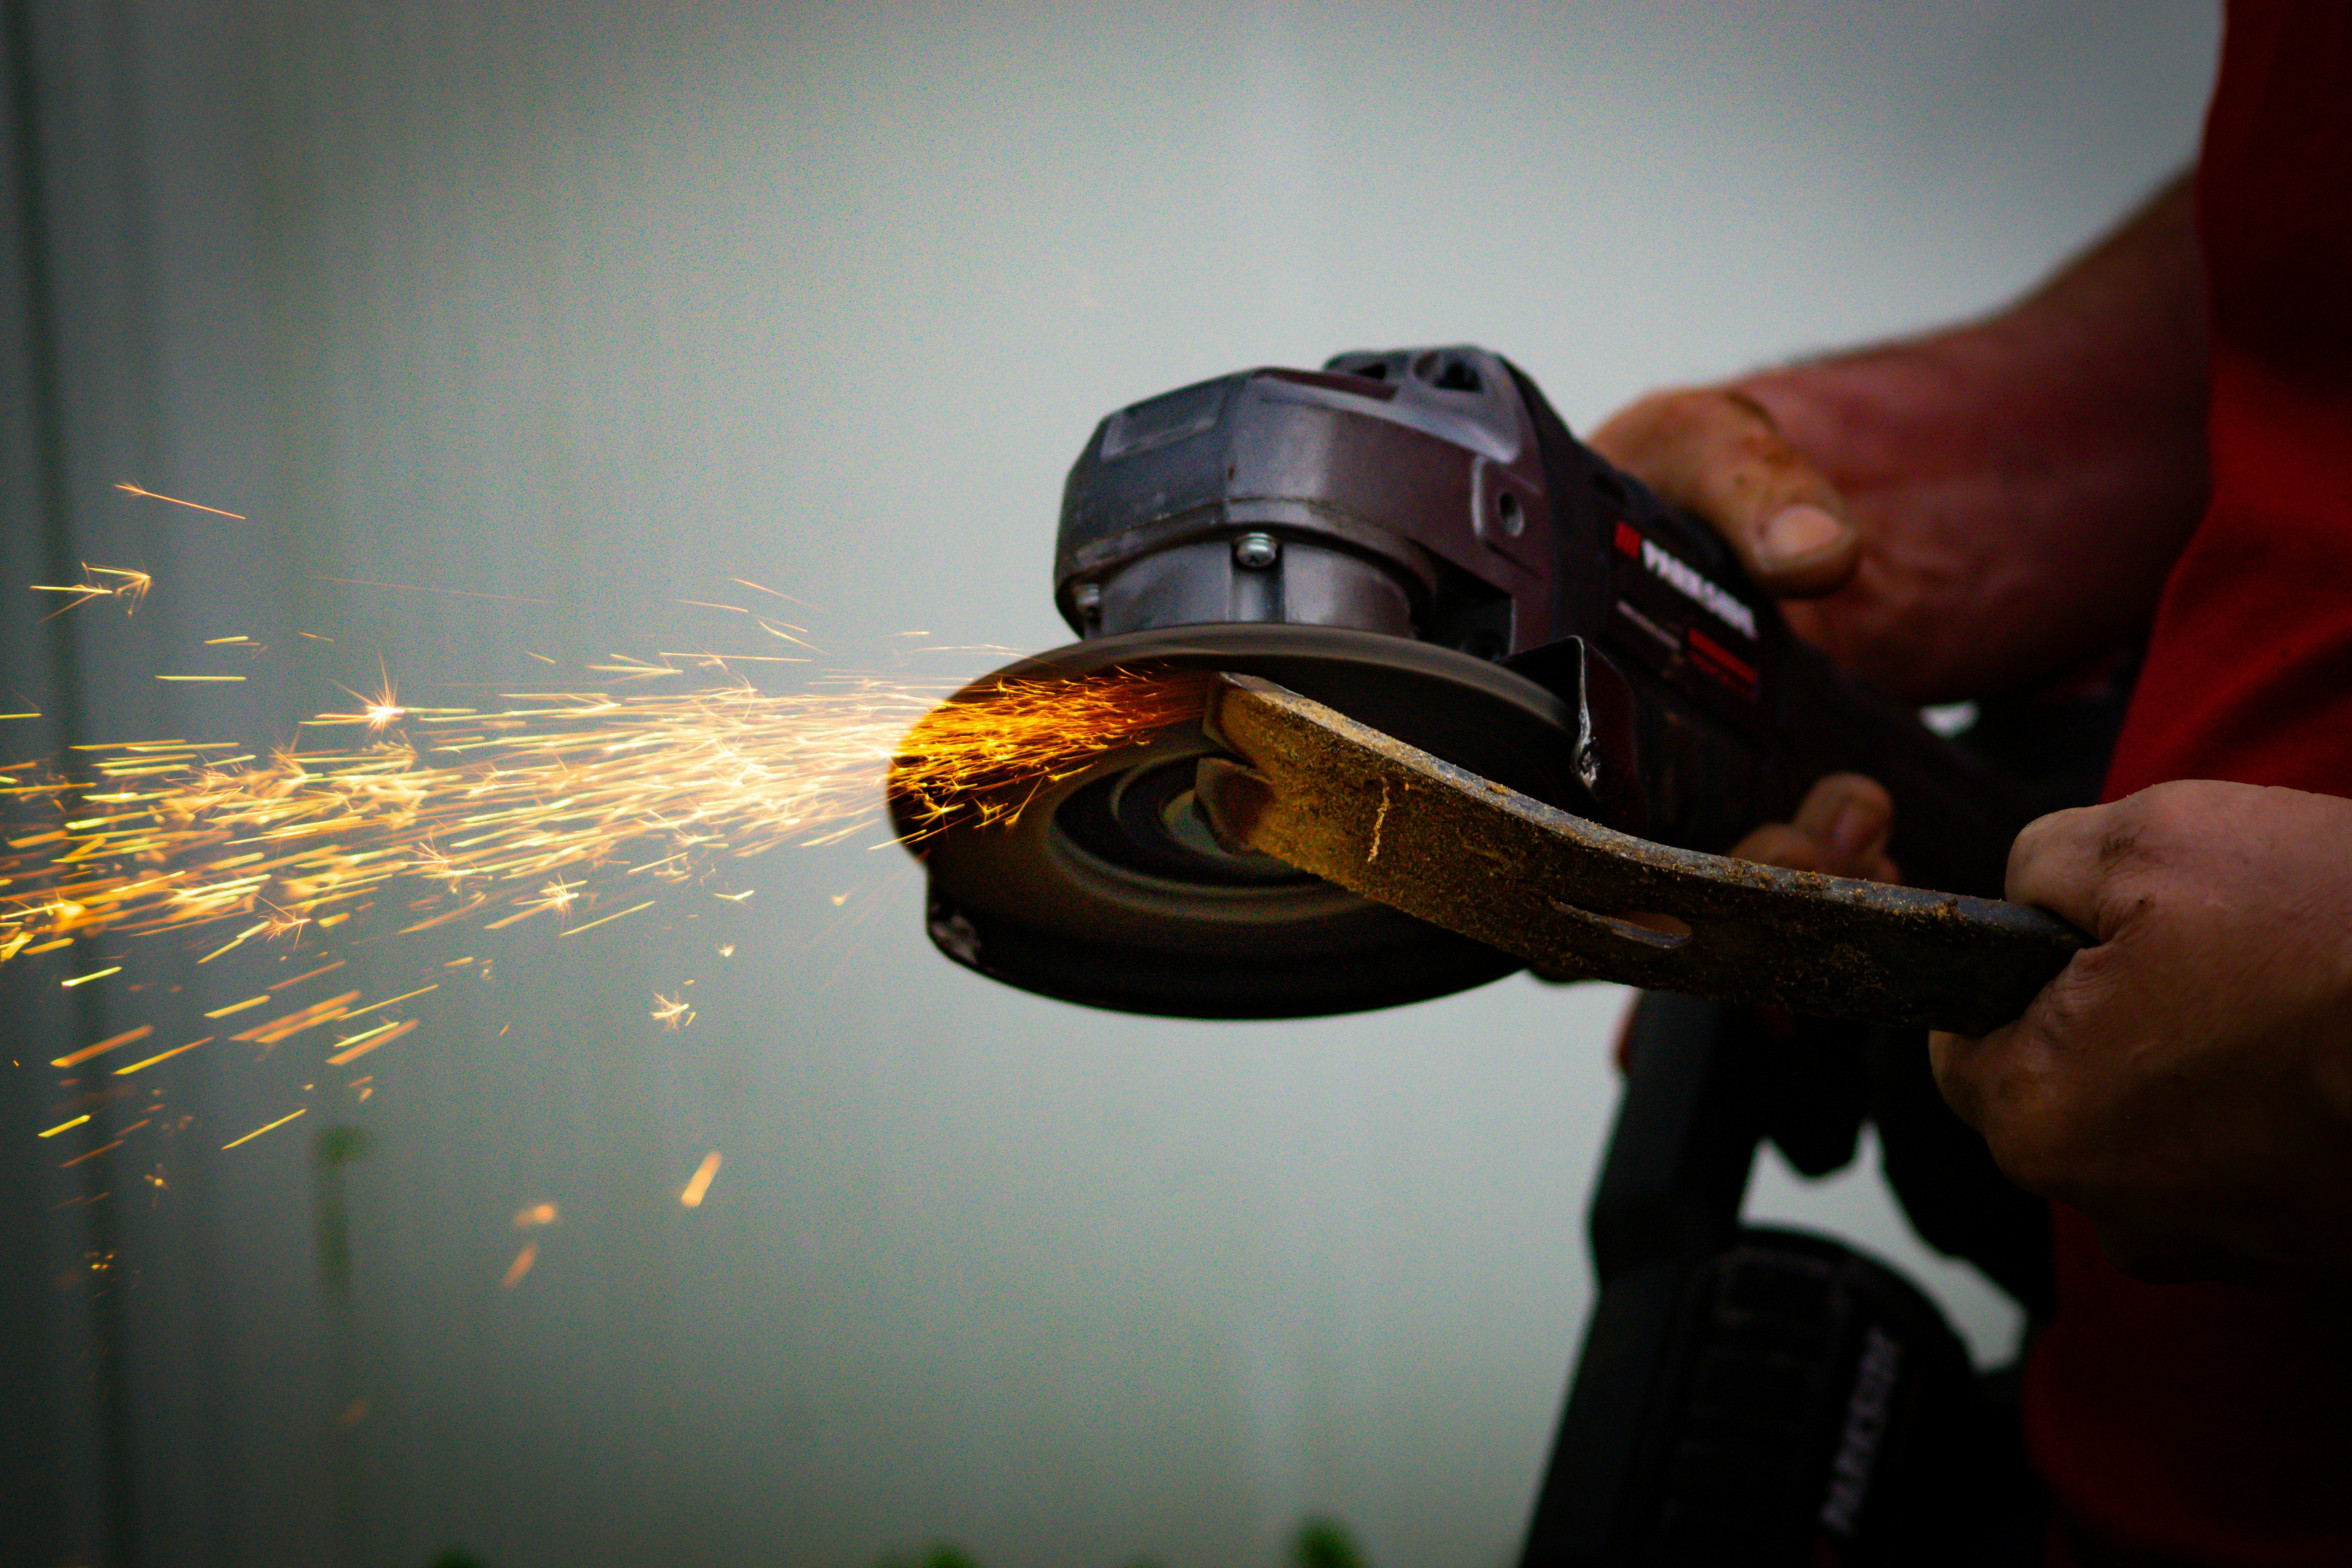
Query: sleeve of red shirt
{"type": "Point", "coordinates": [2212, 1424]}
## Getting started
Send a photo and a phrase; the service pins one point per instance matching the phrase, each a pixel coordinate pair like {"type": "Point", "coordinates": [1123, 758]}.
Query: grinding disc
{"type": "Point", "coordinates": [1107, 889]}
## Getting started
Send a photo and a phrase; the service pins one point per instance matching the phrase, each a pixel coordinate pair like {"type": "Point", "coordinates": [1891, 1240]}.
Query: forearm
{"type": "Point", "coordinates": [2021, 484]}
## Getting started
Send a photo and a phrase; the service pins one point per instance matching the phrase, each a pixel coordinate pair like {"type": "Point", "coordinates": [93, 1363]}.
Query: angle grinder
{"type": "Point", "coordinates": [1414, 539]}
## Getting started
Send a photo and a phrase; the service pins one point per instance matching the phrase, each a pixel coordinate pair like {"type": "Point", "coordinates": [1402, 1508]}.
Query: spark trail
{"type": "Point", "coordinates": [561, 805]}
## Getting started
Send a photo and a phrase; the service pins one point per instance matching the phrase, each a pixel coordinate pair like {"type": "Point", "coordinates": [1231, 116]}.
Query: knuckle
{"type": "Point", "coordinates": [2032, 1150]}
{"type": "Point", "coordinates": [2116, 846]}
{"type": "Point", "coordinates": [1642, 433]}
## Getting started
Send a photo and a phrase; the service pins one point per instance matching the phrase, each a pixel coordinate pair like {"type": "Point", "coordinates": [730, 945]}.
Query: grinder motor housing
{"type": "Point", "coordinates": [1433, 494]}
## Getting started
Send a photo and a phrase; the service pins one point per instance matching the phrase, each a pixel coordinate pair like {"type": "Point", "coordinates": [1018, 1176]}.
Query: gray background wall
{"type": "Point", "coordinates": [601, 305]}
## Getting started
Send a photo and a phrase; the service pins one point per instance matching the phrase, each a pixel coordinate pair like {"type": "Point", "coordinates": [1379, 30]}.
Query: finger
{"type": "Point", "coordinates": [2061, 860]}
{"type": "Point", "coordinates": [1850, 818]}
{"type": "Point", "coordinates": [1782, 844]}
{"type": "Point", "coordinates": [1960, 1065]}
{"type": "Point", "coordinates": [1717, 454]}
{"type": "Point", "coordinates": [1841, 828]}
{"type": "Point", "coordinates": [1620, 1048]}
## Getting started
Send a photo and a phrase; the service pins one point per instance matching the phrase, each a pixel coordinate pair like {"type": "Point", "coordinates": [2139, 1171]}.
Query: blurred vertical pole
{"type": "Point", "coordinates": [55, 1453]}
{"type": "Point", "coordinates": [334, 1149]}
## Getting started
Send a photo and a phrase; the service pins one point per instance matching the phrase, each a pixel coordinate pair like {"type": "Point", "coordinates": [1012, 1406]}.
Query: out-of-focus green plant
{"type": "Point", "coordinates": [940, 1556]}
{"type": "Point", "coordinates": [1325, 1543]}
{"type": "Point", "coordinates": [1319, 1543]}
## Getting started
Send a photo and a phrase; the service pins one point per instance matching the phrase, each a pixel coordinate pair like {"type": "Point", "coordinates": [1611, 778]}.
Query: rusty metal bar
{"type": "Point", "coordinates": [1577, 900]}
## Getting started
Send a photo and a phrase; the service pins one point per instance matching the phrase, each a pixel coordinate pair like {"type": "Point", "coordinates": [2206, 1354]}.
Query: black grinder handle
{"type": "Point", "coordinates": [1736, 716]}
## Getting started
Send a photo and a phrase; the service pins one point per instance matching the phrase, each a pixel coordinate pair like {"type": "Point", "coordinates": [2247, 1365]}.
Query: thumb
{"type": "Point", "coordinates": [1716, 452]}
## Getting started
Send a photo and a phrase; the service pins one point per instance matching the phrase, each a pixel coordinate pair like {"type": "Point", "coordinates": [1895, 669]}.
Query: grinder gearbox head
{"type": "Point", "coordinates": [1378, 535]}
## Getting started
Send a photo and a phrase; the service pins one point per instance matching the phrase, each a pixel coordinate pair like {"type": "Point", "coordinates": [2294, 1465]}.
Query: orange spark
{"type": "Point", "coordinates": [538, 1214]}
{"type": "Point", "coordinates": [700, 1183]}
{"type": "Point", "coordinates": [131, 589]}
{"type": "Point", "coordinates": [521, 1266]}
{"type": "Point", "coordinates": [358, 1045]}
{"type": "Point", "coordinates": [75, 1059]}
{"type": "Point", "coordinates": [163, 1056]}
{"type": "Point", "coordinates": [258, 1130]}
{"type": "Point", "coordinates": [192, 506]}
{"type": "Point", "coordinates": [558, 895]}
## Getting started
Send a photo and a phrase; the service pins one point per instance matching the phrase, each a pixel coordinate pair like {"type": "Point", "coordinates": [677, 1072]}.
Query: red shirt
{"type": "Point", "coordinates": [2212, 1424]}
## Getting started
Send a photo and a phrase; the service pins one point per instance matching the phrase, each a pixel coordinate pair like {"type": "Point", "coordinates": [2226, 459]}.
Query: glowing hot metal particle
{"type": "Point", "coordinates": [700, 1183]}
{"type": "Point", "coordinates": [521, 1266]}
{"type": "Point", "coordinates": [192, 506]}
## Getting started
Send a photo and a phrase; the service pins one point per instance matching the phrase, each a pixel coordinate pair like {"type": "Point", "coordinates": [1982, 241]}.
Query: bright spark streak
{"type": "Point", "coordinates": [671, 1012]}
{"type": "Point", "coordinates": [165, 1056]}
{"type": "Point", "coordinates": [258, 1130]}
{"type": "Point", "coordinates": [361, 1044]}
{"type": "Point", "coordinates": [617, 914]}
{"type": "Point", "coordinates": [700, 1183]}
{"type": "Point", "coordinates": [403, 996]}
{"type": "Point", "coordinates": [192, 506]}
{"type": "Point", "coordinates": [63, 1126]}
{"type": "Point", "coordinates": [75, 1059]}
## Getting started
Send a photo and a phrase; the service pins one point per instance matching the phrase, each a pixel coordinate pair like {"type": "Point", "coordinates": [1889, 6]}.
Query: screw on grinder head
{"type": "Point", "coordinates": [1414, 539]}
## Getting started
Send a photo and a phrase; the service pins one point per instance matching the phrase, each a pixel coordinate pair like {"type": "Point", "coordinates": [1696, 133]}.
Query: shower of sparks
{"type": "Point", "coordinates": [671, 1012]}
{"type": "Point", "coordinates": [700, 1183]}
{"type": "Point", "coordinates": [538, 809]}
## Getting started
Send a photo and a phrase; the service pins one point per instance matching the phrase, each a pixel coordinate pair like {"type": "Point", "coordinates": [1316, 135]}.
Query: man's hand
{"type": "Point", "coordinates": [1982, 510]}
{"type": "Point", "coordinates": [2186, 1083]}
{"type": "Point", "coordinates": [1840, 831]}
{"type": "Point", "coordinates": [1716, 452]}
